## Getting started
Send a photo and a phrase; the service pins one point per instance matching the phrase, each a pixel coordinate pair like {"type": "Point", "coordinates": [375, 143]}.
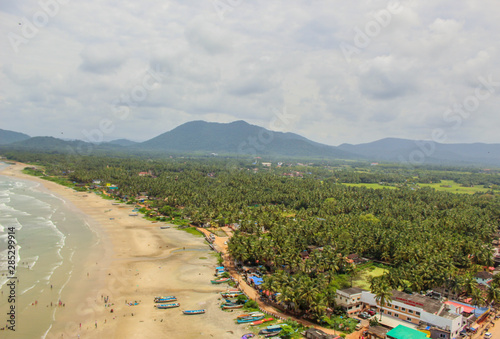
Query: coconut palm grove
{"type": "Point", "coordinates": [298, 222]}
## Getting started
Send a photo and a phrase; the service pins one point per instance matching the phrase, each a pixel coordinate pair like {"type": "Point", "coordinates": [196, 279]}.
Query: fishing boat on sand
{"type": "Point", "coordinates": [234, 300]}
{"type": "Point", "coordinates": [165, 306]}
{"type": "Point", "coordinates": [192, 312]}
{"type": "Point", "coordinates": [231, 306]}
{"type": "Point", "coordinates": [164, 227]}
{"type": "Point", "coordinates": [220, 281]}
{"type": "Point", "coordinates": [251, 314]}
{"type": "Point", "coordinates": [258, 322]}
{"type": "Point", "coordinates": [249, 319]}
{"type": "Point", "coordinates": [165, 299]}
{"type": "Point", "coordinates": [273, 329]}
{"type": "Point", "coordinates": [230, 294]}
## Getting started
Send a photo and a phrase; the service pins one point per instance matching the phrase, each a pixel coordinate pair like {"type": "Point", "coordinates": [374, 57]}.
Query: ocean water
{"type": "Point", "coordinates": [51, 240]}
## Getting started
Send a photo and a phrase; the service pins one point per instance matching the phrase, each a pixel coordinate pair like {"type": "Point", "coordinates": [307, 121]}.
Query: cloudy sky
{"type": "Point", "coordinates": [334, 71]}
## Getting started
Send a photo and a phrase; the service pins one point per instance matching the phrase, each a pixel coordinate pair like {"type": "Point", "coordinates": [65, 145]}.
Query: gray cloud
{"type": "Point", "coordinates": [257, 57]}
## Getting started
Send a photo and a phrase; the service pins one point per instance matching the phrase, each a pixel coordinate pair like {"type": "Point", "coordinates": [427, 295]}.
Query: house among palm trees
{"type": "Point", "coordinates": [484, 277]}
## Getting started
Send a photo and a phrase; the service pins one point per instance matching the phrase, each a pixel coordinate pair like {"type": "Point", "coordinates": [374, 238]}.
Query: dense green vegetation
{"type": "Point", "coordinates": [301, 229]}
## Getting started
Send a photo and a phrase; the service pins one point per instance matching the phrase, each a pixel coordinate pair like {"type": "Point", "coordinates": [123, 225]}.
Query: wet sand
{"type": "Point", "coordinates": [135, 260]}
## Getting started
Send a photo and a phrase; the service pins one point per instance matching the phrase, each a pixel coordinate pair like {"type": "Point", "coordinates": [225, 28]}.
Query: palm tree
{"type": "Point", "coordinates": [383, 296]}
{"type": "Point", "coordinates": [477, 297]}
{"type": "Point", "coordinates": [493, 295]}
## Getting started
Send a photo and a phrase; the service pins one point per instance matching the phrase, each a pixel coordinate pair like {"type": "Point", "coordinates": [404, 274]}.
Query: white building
{"type": "Point", "coordinates": [350, 300]}
{"type": "Point", "coordinates": [433, 316]}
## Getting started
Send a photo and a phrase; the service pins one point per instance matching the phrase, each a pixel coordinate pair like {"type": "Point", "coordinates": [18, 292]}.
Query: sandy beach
{"type": "Point", "coordinates": [135, 260]}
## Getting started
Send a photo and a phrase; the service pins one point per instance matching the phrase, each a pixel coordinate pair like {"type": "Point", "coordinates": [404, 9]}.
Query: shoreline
{"type": "Point", "coordinates": [134, 260]}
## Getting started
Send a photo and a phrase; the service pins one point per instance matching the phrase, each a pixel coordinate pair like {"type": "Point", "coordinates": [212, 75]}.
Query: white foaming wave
{"type": "Point", "coordinates": [7, 221]}
{"type": "Point", "coordinates": [3, 279]}
{"type": "Point", "coordinates": [31, 261]}
{"type": "Point", "coordinates": [59, 198]}
{"type": "Point", "coordinates": [54, 267]}
{"type": "Point", "coordinates": [4, 198]}
{"type": "Point", "coordinates": [29, 288]}
{"type": "Point", "coordinates": [32, 200]}
{"type": "Point", "coordinates": [4, 265]}
{"type": "Point", "coordinates": [6, 208]}
{"type": "Point", "coordinates": [3, 259]}
{"type": "Point", "coordinates": [47, 332]}
{"type": "Point", "coordinates": [62, 238]}
{"type": "Point", "coordinates": [95, 233]}
{"type": "Point", "coordinates": [34, 186]}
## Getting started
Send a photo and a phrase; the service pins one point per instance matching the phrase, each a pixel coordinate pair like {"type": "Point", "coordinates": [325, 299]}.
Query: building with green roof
{"type": "Point", "coordinates": [403, 332]}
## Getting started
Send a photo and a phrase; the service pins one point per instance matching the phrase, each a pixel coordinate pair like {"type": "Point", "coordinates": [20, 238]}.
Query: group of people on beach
{"type": "Point", "coordinates": [59, 303]}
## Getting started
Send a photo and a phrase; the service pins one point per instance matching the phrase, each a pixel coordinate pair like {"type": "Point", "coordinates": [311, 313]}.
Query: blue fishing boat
{"type": "Point", "coordinates": [165, 306]}
{"type": "Point", "coordinates": [191, 312]}
{"type": "Point", "coordinates": [165, 299]}
{"type": "Point", "coordinates": [249, 319]}
{"type": "Point", "coordinates": [271, 329]}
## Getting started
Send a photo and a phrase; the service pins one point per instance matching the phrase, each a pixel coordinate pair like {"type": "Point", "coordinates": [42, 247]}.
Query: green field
{"type": "Point", "coordinates": [374, 186]}
{"type": "Point", "coordinates": [366, 272]}
{"type": "Point", "coordinates": [455, 188]}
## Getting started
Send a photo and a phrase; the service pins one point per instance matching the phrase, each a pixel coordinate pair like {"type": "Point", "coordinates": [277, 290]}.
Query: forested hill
{"type": "Point", "coordinates": [7, 137]}
{"type": "Point", "coordinates": [240, 138]}
{"type": "Point", "coordinates": [404, 150]}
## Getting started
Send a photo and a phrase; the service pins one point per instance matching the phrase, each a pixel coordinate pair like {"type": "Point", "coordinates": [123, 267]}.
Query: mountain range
{"type": "Point", "coordinates": [243, 139]}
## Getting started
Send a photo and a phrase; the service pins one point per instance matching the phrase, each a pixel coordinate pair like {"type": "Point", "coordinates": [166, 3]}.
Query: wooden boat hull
{"type": "Point", "coordinates": [165, 299]}
{"type": "Point", "coordinates": [220, 281]}
{"type": "Point", "coordinates": [271, 330]}
{"type": "Point", "coordinates": [251, 314]}
{"type": "Point", "coordinates": [230, 307]}
{"type": "Point", "coordinates": [231, 295]}
{"type": "Point", "coordinates": [193, 312]}
{"type": "Point", "coordinates": [258, 322]}
{"type": "Point", "coordinates": [249, 320]}
{"type": "Point", "coordinates": [165, 306]}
